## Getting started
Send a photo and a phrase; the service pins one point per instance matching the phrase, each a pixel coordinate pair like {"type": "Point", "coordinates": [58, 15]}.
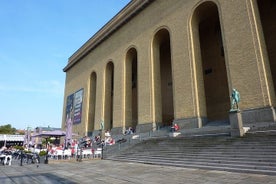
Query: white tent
{"type": "Point", "coordinates": [7, 137]}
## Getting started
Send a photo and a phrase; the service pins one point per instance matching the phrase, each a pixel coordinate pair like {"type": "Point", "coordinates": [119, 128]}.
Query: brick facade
{"type": "Point", "coordinates": [189, 55]}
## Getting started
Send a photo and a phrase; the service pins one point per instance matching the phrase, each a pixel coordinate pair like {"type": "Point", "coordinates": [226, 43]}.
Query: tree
{"type": "Point", "coordinates": [7, 129]}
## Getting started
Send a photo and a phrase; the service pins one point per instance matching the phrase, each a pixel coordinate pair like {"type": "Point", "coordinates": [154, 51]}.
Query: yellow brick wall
{"type": "Point", "coordinates": [243, 54]}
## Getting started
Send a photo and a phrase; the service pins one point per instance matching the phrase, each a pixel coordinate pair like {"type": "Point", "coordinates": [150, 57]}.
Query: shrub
{"type": "Point", "coordinates": [19, 147]}
{"type": "Point", "coordinates": [42, 153]}
{"type": "Point", "coordinates": [27, 151]}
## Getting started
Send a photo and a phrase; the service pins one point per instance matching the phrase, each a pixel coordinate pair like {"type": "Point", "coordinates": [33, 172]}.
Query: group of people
{"type": "Point", "coordinates": [87, 142]}
{"type": "Point", "coordinates": [5, 155]}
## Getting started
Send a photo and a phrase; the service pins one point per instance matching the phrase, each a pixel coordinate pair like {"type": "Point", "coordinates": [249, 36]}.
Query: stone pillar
{"type": "Point", "coordinates": [236, 123]}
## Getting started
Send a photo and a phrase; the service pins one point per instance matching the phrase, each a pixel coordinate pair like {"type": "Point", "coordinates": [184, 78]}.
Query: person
{"type": "Point", "coordinates": [97, 139]}
{"type": "Point", "coordinates": [93, 152]}
{"type": "Point", "coordinates": [73, 152]}
{"type": "Point", "coordinates": [175, 128]}
{"type": "Point", "coordinates": [235, 99]}
{"type": "Point", "coordinates": [129, 131]}
{"type": "Point", "coordinates": [3, 149]}
{"type": "Point", "coordinates": [109, 141]}
{"type": "Point", "coordinates": [76, 147]}
{"type": "Point", "coordinates": [107, 133]}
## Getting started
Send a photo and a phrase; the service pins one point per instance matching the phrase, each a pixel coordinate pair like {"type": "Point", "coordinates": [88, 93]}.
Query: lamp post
{"type": "Point", "coordinates": [102, 144]}
{"type": "Point", "coordinates": [21, 159]}
{"type": "Point", "coordinates": [47, 148]}
{"type": "Point", "coordinates": [28, 136]}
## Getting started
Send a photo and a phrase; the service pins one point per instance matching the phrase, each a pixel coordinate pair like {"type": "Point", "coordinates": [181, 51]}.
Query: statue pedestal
{"type": "Point", "coordinates": [236, 123]}
{"type": "Point", "coordinates": [102, 134]}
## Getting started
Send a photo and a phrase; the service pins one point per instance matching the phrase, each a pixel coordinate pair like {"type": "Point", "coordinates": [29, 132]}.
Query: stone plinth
{"type": "Point", "coordinates": [236, 123]}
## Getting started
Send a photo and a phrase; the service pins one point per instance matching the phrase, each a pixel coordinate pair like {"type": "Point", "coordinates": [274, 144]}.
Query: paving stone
{"type": "Point", "coordinates": [113, 172]}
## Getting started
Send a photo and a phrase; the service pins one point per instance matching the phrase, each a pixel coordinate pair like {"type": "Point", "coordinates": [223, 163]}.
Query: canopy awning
{"type": "Point", "coordinates": [53, 133]}
{"type": "Point", "coordinates": [7, 137]}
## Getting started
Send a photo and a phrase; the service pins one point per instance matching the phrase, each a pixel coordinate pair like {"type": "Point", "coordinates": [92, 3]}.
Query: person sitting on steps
{"type": "Point", "coordinates": [175, 128]}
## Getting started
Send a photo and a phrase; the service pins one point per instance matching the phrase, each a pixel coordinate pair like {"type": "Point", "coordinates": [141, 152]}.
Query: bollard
{"type": "Point", "coordinates": [77, 154]}
{"type": "Point", "coordinates": [80, 155]}
{"type": "Point", "coordinates": [21, 160]}
{"type": "Point", "coordinates": [46, 158]}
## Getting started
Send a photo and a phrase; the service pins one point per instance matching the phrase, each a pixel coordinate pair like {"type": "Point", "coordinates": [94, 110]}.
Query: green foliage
{"type": "Point", "coordinates": [44, 142]}
{"type": "Point", "coordinates": [7, 129]}
{"type": "Point", "coordinates": [19, 147]}
{"type": "Point", "coordinates": [42, 153]}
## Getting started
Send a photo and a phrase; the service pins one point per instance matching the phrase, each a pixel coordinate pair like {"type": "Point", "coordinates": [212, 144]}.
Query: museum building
{"type": "Point", "coordinates": [159, 62]}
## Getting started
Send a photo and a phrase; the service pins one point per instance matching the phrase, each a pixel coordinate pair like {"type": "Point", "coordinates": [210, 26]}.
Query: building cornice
{"type": "Point", "coordinates": [121, 18]}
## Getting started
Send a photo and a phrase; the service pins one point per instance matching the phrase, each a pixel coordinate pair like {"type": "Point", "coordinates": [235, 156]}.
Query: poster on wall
{"type": "Point", "coordinates": [74, 107]}
{"type": "Point", "coordinates": [78, 96]}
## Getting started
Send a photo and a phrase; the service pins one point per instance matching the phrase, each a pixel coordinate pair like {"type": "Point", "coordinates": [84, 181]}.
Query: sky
{"type": "Point", "coordinates": [36, 39]}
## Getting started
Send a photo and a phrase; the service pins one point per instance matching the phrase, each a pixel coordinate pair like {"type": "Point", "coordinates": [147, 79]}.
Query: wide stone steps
{"type": "Point", "coordinates": [260, 148]}
{"type": "Point", "coordinates": [254, 153]}
{"type": "Point", "coordinates": [256, 158]}
{"type": "Point", "coordinates": [213, 162]}
{"type": "Point", "coordinates": [267, 170]}
{"type": "Point", "coordinates": [221, 160]}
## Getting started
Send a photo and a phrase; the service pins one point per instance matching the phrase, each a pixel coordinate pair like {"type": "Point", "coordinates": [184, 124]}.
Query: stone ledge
{"type": "Point", "coordinates": [174, 134]}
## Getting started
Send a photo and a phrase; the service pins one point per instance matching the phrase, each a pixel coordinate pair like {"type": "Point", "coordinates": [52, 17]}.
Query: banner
{"type": "Point", "coordinates": [69, 105]}
{"type": "Point", "coordinates": [78, 106]}
{"type": "Point", "coordinates": [74, 107]}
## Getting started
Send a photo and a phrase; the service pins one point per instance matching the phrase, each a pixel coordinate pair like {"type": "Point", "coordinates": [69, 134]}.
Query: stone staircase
{"type": "Point", "coordinates": [253, 153]}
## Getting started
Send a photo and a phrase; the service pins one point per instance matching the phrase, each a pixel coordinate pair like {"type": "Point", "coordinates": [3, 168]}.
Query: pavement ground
{"type": "Point", "coordinates": [112, 172]}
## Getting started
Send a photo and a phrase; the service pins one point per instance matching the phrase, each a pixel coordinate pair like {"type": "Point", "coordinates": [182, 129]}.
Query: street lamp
{"type": "Point", "coordinates": [102, 149]}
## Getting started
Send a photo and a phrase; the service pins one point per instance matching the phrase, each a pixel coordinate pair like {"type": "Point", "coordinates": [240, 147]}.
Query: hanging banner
{"type": "Point", "coordinates": [78, 106]}
{"type": "Point", "coordinates": [69, 106]}
{"type": "Point", "coordinates": [74, 107]}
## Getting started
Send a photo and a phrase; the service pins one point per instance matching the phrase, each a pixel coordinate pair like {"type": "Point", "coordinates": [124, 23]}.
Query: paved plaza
{"type": "Point", "coordinates": [112, 172]}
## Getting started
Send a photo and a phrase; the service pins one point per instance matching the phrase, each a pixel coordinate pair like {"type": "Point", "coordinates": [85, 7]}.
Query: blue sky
{"type": "Point", "coordinates": [36, 39]}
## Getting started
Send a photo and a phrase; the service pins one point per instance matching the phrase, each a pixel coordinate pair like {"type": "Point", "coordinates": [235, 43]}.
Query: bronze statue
{"type": "Point", "coordinates": [102, 125]}
{"type": "Point", "coordinates": [235, 100]}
